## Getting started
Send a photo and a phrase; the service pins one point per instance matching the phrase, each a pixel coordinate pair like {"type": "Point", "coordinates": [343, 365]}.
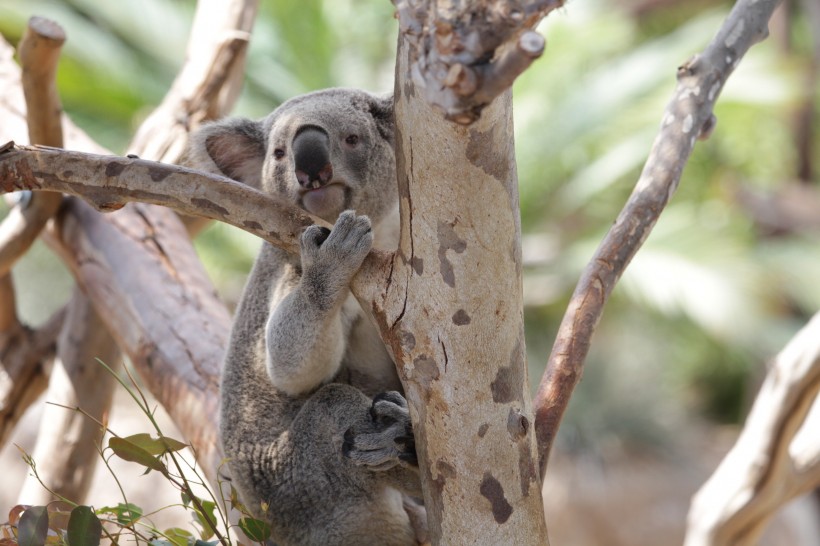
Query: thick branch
{"type": "Point", "coordinates": [776, 457]}
{"type": "Point", "coordinates": [108, 182]}
{"type": "Point", "coordinates": [148, 286]}
{"type": "Point", "coordinates": [208, 83]}
{"type": "Point", "coordinates": [687, 118]}
{"type": "Point", "coordinates": [467, 53]}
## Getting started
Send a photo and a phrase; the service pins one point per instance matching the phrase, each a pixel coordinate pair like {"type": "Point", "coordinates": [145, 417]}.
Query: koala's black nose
{"type": "Point", "coordinates": [311, 153]}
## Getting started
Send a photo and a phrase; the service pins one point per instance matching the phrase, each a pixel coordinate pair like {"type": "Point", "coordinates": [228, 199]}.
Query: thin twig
{"type": "Point", "coordinates": [687, 118]}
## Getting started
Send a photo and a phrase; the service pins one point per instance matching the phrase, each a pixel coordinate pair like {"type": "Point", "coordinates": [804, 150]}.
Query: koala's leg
{"type": "Point", "coordinates": [385, 443]}
{"type": "Point", "coordinates": [305, 334]}
{"type": "Point", "coordinates": [320, 490]}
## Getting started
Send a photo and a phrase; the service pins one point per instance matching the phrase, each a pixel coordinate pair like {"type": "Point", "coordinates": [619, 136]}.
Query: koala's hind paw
{"type": "Point", "coordinates": [387, 439]}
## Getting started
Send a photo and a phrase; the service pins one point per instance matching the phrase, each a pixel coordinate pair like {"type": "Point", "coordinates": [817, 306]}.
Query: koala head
{"type": "Point", "coordinates": [326, 152]}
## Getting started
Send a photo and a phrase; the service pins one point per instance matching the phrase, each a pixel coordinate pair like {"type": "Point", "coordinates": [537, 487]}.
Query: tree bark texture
{"type": "Point", "coordinates": [452, 314]}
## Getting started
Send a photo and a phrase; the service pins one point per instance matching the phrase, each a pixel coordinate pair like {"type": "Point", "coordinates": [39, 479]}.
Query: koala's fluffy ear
{"type": "Point", "coordinates": [381, 108]}
{"type": "Point", "coordinates": [235, 146]}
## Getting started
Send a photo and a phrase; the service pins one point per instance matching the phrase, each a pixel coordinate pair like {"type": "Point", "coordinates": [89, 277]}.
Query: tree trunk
{"type": "Point", "coordinates": [452, 314]}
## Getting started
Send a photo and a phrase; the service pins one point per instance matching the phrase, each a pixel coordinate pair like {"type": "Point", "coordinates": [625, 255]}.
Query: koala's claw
{"type": "Point", "coordinates": [316, 235]}
{"type": "Point", "coordinates": [385, 441]}
{"type": "Point", "coordinates": [344, 247]}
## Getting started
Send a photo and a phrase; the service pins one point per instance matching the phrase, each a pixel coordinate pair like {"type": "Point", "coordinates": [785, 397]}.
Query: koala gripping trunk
{"type": "Point", "coordinates": [453, 318]}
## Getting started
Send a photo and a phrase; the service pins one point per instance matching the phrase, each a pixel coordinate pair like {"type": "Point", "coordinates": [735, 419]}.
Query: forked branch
{"type": "Point", "coordinates": [465, 54]}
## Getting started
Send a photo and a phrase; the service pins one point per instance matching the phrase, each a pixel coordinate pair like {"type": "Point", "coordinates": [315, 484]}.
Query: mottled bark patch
{"type": "Point", "coordinates": [407, 340]}
{"type": "Point", "coordinates": [448, 239]}
{"type": "Point", "coordinates": [482, 430]}
{"type": "Point", "coordinates": [527, 472]}
{"type": "Point", "coordinates": [252, 224]}
{"type": "Point", "coordinates": [425, 370]}
{"type": "Point", "coordinates": [158, 174]}
{"type": "Point", "coordinates": [445, 471]}
{"type": "Point", "coordinates": [492, 490]}
{"type": "Point", "coordinates": [509, 381]}
{"type": "Point", "coordinates": [67, 174]}
{"type": "Point", "coordinates": [114, 169]}
{"type": "Point", "coordinates": [210, 206]}
{"type": "Point", "coordinates": [461, 318]}
{"type": "Point", "coordinates": [483, 152]}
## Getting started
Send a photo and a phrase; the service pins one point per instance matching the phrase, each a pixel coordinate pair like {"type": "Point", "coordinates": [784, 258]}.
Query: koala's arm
{"type": "Point", "coordinates": [306, 335]}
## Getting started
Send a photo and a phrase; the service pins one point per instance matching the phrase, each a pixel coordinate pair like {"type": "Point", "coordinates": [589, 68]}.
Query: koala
{"type": "Point", "coordinates": [317, 435]}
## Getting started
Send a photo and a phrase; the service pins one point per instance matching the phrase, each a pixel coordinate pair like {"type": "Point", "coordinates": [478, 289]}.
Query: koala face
{"type": "Point", "coordinates": [326, 152]}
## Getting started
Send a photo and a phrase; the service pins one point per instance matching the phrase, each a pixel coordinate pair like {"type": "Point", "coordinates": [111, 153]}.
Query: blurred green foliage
{"type": "Point", "coordinates": [707, 300]}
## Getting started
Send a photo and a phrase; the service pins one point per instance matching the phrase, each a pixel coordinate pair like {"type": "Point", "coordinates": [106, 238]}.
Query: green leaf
{"type": "Point", "coordinates": [256, 530]}
{"type": "Point", "coordinates": [206, 518]}
{"type": "Point", "coordinates": [33, 527]}
{"type": "Point", "coordinates": [84, 527]}
{"type": "Point", "coordinates": [172, 444]}
{"type": "Point", "coordinates": [129, 451]}
{"type": "Point", "coordinates": [179, 537]}
{"type": "Point", "coordinates": [126, 514]}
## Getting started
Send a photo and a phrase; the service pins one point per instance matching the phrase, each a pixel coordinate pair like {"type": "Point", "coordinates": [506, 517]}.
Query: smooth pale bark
{"type": "Point", "coordinates": [452, 314]}
{"type": "Point", "coordinates": [776, 457]}
{"type": "Point", "coordinates": [66, 449]}
{"type": "Point", "coordinates": [146, 282]}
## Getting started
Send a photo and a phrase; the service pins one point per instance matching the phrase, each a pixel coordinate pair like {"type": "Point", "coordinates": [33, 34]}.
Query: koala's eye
{"type": "Point", "coordinates": [352, 140]}
{"type": "Point", "coordinates": [278, 153]}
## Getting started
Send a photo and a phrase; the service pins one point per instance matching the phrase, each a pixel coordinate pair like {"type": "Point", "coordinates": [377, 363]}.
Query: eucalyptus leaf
{"type": "Point", "coordinates": [84, 527]}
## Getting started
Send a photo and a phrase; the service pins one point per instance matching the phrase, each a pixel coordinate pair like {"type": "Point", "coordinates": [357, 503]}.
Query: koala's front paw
{"type": "Point", "coordinates": [330, 258]}
{"type": "Point", "coordinates": [386, 439]}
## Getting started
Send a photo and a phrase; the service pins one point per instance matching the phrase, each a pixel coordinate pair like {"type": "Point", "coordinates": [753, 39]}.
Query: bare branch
{"type": "Point", "coordinates": [776, 457]}
{"type": "Point", "coordinates": [24, 355]}
{"type": "Point", "coordinates": [464, 54]}
{"type": "Point", "coordinates": [67, 441]}
{"type": "Point", "coordinates": [688, 117]}
{"type": "Point", "coordinates": [146, 282]}
{"type": "Point", "coordinates": [108, 182]}
{"type": "Point", "coordinates": [208, 83]}
{"type": "Point", "coordinates": [39, 52]}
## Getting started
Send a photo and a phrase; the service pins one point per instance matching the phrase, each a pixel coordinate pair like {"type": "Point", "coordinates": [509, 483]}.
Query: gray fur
{"type": "Point", "coordinates": [302, 434]}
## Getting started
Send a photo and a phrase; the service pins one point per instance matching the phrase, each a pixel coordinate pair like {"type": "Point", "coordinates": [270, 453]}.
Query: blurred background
{"type": "Point", "coordinates": [727, 277]}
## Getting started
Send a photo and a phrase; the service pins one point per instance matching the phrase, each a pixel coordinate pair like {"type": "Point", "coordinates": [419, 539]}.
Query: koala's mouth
{"type": "Point", "coordinates": [325, 202]}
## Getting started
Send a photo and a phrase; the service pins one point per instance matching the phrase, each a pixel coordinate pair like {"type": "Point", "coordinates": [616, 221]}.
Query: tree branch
{"type": "Point", "coordinates": [208, 83]}
{"type": "Point", "coordinates": [109, 182]}
{"type": "Point", "coordinates": [688, 117]}
{"type": "Point", "coordinates": [776, 457]}
{"type": "Point", "coordinates": [24, 355]}
{"type": "Point", "coordinates": [39, 52]}
{"type": "Point", "coordinates": [467, 53]}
